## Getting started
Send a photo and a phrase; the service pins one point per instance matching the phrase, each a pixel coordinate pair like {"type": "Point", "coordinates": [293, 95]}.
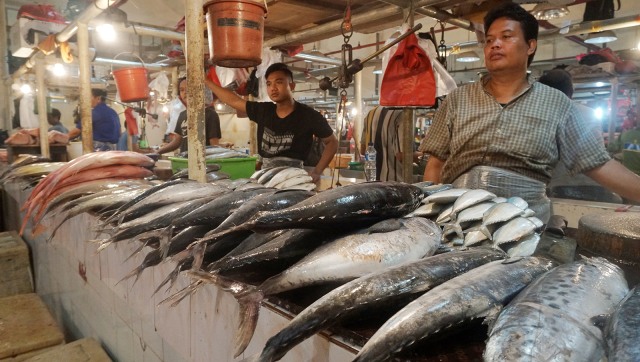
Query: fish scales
{"type": "Point", "coordinates": [351, 206]}
{"type": "Point", "coordinates": [380, 288]}
{"type": "Point", "coordinates": [552, 319]}
{"type": "Point", "coordinates": [471, 295]}
{"type": "Point", "coordinates": [623, 330]}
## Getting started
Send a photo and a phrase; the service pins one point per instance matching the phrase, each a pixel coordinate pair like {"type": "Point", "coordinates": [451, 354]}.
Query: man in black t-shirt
{"type": "Point", "coordinates": [285, 127]}
{"type": "Point", "coordinates": [178, 138]}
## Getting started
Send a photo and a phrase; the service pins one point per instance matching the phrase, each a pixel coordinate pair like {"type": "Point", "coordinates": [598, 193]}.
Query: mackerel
{"type": "Point", "coordinates": [553, 318]}
{"type": "Point", "coordinates": [479, 294]}
{"type": "Point", "coordinates": [623, 329]}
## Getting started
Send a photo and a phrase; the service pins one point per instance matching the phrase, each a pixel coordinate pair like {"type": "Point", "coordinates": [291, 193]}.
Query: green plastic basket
{"type": "Point", "coordinates": [235, 167]}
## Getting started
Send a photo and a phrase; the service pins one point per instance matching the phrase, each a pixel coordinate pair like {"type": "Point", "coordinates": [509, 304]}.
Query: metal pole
{"type": "Point", "coordinates": [614, 111]}
{"type": "Point", "coordinates": [5, 90]}
{"type": "Point", "coordinates": [357, 120]}
{"type": "Point", "coordinates": [84, 65]}
{"type": "Point", "coordinates": [195, 91]}
{"type": "Point", "coordinates": [42, 107]}
{"type": "Point", "coordinates": [407, 136]}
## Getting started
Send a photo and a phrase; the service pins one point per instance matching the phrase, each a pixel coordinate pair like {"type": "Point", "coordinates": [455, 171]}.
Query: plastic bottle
{"type": "Point", "coordinates": [370, 163]}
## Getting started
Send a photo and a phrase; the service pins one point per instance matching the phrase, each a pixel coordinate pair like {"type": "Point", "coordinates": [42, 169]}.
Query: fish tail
{"type": "Point", "coordinates": [249, 313]}
{"type": "Point", "coordinates": [165, 239]}
{"type": "Point", "coordinates": [135, 252]}
{"type": "Point", "coordinates": [135, 272]}
{"type": "Point", "coordinates": [197, 252]}
{"type": "Point", "coordinates": [171, 278]}
{"type": "Point", "coordinates": [103, 244]}
{"type": "Point", "coordinates": [178, 296]}
{"type": "Point", "coordinates": [485, 230]}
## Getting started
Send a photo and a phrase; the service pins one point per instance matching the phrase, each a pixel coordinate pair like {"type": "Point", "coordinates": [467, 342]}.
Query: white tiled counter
{"type": "Point", "coordinates": [79, 287]}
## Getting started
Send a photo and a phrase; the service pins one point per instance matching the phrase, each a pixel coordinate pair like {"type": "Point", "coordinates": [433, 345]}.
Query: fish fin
{"type": "Point", "coordinates": [385, 226]}
{"type": "Point", "coordinates": [249, 313]}
{"type": "Point", "coordinates": [600, 321]}
{"type": "Point", "coordinates": [485, 230]}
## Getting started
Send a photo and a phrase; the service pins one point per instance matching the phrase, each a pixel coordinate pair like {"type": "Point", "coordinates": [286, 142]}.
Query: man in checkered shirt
{"type": "Point", "coordinates": [506, 132]}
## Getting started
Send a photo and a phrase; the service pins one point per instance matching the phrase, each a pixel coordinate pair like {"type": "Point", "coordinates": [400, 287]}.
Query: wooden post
{"type": "Point", "coordinates": [194, 20]}
{"type": "Point", "coordinates": [42, 106]}
{"type": "Point", "coordinates": [84, 64]}
{"type": "Point", "coordinates": [407, 136]}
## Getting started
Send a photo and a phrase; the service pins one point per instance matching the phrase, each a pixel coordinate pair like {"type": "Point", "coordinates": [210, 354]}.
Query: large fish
{"type": "Point", "coordinates": [387, 243]}
{"type": "Point", "coordinates": [386, 287]}
{"type": "Point", "coordinates": [479, 294]}
{"type": "Point", "coordinates": [175, 193]}
{"type": "Point", "coordinates": [32, 170]}
{"type": "Point", "coordinates": [351, 206]}
{"type": "Point", "coordinates": [93, 174]}
{"type": "Point", "coordinates": [623, 330]}
{"type": "Point", "coordinates": [553, 318]}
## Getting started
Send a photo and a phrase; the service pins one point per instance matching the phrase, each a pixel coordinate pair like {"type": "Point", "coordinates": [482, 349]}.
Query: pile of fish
{"type": "Point", "coordinates": [217, 152]}
{"type": "Point", "coordinates": [31, 136]}
{"type": "Point", "coordinates": [432, 256]}
{"type": "Point", "coordinates": [92, 166]}
{"type": "Point", "coordinates": [477, 217]}
{"type": "Point", "coordinates": [284, 177]}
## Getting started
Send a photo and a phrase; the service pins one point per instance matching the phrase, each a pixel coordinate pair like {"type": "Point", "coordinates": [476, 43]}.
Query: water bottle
{"type": "Point", "coordinates": [370, 163]}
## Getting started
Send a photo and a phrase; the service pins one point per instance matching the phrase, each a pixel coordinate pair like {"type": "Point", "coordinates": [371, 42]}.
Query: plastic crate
{"type": "Point", "coordinates": [235, 167]}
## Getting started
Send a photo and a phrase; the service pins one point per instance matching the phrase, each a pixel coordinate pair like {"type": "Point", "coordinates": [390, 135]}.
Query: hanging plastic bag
{"type": "Point", "coordinates": [408, 79]}
{"type": "Point", "coordinates": [161, 85]}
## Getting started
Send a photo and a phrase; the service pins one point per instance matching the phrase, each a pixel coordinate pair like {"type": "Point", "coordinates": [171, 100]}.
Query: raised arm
{"type": "Point", "coordinates": [227, 96]}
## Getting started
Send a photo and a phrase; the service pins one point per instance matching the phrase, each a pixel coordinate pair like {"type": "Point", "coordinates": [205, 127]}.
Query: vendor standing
{"type": "Point", "coordinates": [105, 123]}
{"type": "Point", "coordinates": [178, 138]}
{"type": "Point", "coordinates": [507, 132]}
{"type": "Point", "coordinates": [285, 127]}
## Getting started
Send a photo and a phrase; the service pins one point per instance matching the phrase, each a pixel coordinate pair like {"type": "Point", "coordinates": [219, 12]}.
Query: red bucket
{"type": "Point", "coordinates": [132, 83]}
{"type": "Point", "coordinates": [235, 30]}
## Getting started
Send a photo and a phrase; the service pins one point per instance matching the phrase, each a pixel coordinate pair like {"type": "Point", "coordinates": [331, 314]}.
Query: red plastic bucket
{"type": "Point", "coordinates": [235, 30]}
{"type": "Point", "coordinates": [132, 83]}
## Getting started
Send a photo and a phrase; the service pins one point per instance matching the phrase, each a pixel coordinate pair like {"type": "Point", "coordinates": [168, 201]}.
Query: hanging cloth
{"type": "Point", "coordinates": [408, 79]}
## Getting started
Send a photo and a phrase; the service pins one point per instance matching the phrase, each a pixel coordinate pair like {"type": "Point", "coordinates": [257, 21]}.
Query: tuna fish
{"type": "Point", "coordinates": [479, 294]}
{"type": "Point", "coordinates": [623, 329]}
{"type": "Point", "coordinates": [386, 287]}
{"type": "Point", "coordinates": [350, 206]}
{"type": "Point", "coordinates": [552, 319]}
{"type": "Point", "coordinates": [387, 243]}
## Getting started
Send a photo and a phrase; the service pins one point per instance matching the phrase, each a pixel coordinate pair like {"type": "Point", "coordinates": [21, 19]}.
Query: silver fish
{"type": "Point", "coordinates": [468, 215]}
{"type": "Point", "coordinates": [623, 329]}
{"type": "Point", "coordinates": [518, 201]}
{"type": "Point", "coordinates": [429, 209]}
{"type": "Point", "coordinates": [387, 243]}
{"type": "Point", "coordinates": [445, 215]}
{"type": "Point", "coordinates": [295, 180]}
{"type": "Point", "coordinates": [391, 285]}
{"type": "Point", "coordinates": [474, 237]}
{"type": "Point", "coordinates": [515, 230]}
{"type": "Point", "coordinates": [286, 174]}
{"type": "Point", "coordinates": [501, 212]}
{"type": "Point", "coordinates": [478, 294]}
{"type": "Point", "coordinates": [432, 189]}
{"type": "Point", "coordinates": [552, 319]}
{"type": "Point", "coordinates": [468, 199]}
{"type": "Point", "coordinates": [525, 247]}
{"type": "Point", "coordinates": [446, 196]}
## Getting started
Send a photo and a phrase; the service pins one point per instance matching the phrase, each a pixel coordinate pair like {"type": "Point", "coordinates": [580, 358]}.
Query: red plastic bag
{"type": "Point", "coordinates": [213, 76]}
{"type": "Point", "coordinates": [41, 12]}
{"type": "Point", "coordinates": [408, 79]}
{"type": "Point", "coordinates": [130, 120]}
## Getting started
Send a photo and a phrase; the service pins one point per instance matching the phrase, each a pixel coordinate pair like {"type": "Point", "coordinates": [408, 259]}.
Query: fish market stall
{"type": "Point", "coordinates": [187, 271]}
